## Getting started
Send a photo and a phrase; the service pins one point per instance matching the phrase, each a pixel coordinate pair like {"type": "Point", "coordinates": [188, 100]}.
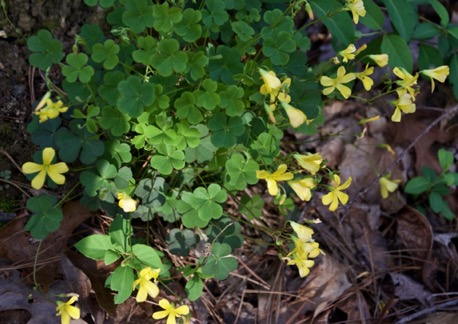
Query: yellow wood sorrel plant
{"type": "Point", "coordinates": [180, 105]}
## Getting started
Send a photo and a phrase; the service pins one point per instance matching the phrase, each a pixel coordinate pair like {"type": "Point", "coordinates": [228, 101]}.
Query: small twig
{"type": "Point", "coordinates": [428, 310]}
{"type": "Point", "coordinates": [450, 112]}
{"type": "Point", "coordinates": [11, 159]}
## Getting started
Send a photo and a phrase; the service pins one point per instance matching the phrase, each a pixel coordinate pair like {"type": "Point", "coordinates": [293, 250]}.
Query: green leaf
{"type": "Point", "coordinates": [147, 48]}
{"type": "Point", "coordinates": [241, 171]}
{"type": "Point", "coordinates": [194, 288]}
{"type": "Point", "coordinates": [398, 51]}
{"type": "Point", "coordinates": [225, 63]}
{"type": "Point", "coordinates": [118, 151]}
{"type": "Point", "coordinates": [208, 99]}
{"type": "Point", "coordinates": [110, 257]}
{"type": "Point", "coordinates": [190, 136]}
{"type": "Point", "coordinates": [186, 108]}
{"type": "Point", "coordinates": [446, 212]}
{"type": "Point", "coordinates": [425, 30]}
{"type": "Point", "coordinates": [138, 15]}
{"type": "Point", "coordinates": [45, 50]}
{"type": "Point", "coordinates": [106, 53]}
{"type": "Point", "coordinates": [134, 96]}
{"type": "Point", "coordinates": [103, 3]}
{"type": "Point", "coordinates": [429, 57]}
{"type": "Point", "coordinates": [189, 28]}
{"type": "Point", "coordinates": [167, 160]}
{"type": "Point", "coordinates": [445, 159]}
{"type": "Point", "coordinates": [403, 16]}
{"type": "Point", "coordinates": [150, 192]}
{"type": "Point", "coordinates": [232, 100]}
{"type": "Point", "coordinates": [122, 281]}
{"type": "Point", "coordinates": [124, 178]}
{"type": "Point", "coordinates": [109, 89]}
{"type": "Point", "coordinates": [94, 246]}
{"type": "Point", "coordinates": [441, 11]}
{"type": "Point", "coordinates": [196, 65]}
{"type": "Point", "coordinates": [120, 232]}
{"type": "Point", "coordinates": [77, 68]}
{"type": "Point", "coordinates": [165, 18]}
{"type": "Point", "coordinates": [418, 185]}
{"type": "Point", "coordinates": [219, 264]}
{"type": "Point", "coordinates": [374, 16]}
{"type": "Point", "coordinates": [225, 130]}
{"type": "Point", "coordinates": [190, 218]}
{"type": "Point", "coordinates": [278, 49]}
{"type": "Point", "coordinates": [114, 121]}
{"type": "Point", "coordinates": [46, 216]}
{"type": "Point", "coordinates": [181, 241]}
{"type": "Point", "coordinates": [243, 30]}
{"type": "Point", "coordinates": [207, 202]}
{"type": "Point", "coordinates": [340, 25]}
{"type": "Point", "coordinates": [91, 34]}
{"type": "Point", "coordinates": [168, 58]}
{"type": "Point", "coordinates": [147, 256]}
{"type": "Point", "coordinates": [436, 202]}
{"type": "Point", "coordinates": [225, 230]}
{"type": "Point", "coordinates": [215, 15]}
{"type": "Point", "coordinates": [265, 148]}
{"type": "Point", "coordinates": [205, 151]}
{"type": "Point", "coordinates": [251, 207]}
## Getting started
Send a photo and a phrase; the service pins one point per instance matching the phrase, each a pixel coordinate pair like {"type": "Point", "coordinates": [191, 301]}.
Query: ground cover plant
{"type": "Point", "coordinates": [173, 120]}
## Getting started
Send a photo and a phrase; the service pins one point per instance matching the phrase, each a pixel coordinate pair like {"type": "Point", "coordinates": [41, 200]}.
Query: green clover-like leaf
{"type": "Point", "coordinates": [95, 181]}
{"type": "Point", "coordinates": [231, 99]}
{"type": "Point", "coordinates": [181, 241]}
{"type": "Point", "coordinates": [46, 216]}
{"type": "Point", "coordinates": [208, 99]}
{"type": "Point", "coordinates": [147, 48]}
{"type": "Point", "coordinates": [138, 15]}
{"type": "Point", "coordinates": [167, 160]}
{"type": "Point", "coordinates": [220, 263]}
{"type": "Point", "coordinates": [189, 28]}
{"type": "Point", "coordinates": [45, 49]}
{"type": "Point", "coordinates": [207, 202]}
{"type": "Point", "coordinates": [215, 15]}
{"type": "Point", "coordinates": [165, 18]}
{"type": "Point", "coordinates": [244, 31]}
{"type": "Point", "coordinates": [114, 120]}
{"type": "Point", "coordinates": [118, 151]}
{"type": "Point", "coordinates": [77, 68]}
{"type": "Point", "coordinates": [279, 48]}
{"type": "Point", "coordinates": [227, 65]}
{"type": "Point", "coordinates": [205, 151]}
{"type": "Point", "coordinates": [134, 96]}
{"type": "Point", "coordinates": [186, 108]}
{"type": "Point", "coordinates": [197, 63]}
{"type": "Point", "coordinates": [241, 171]}
{"type": "Point", "coordinates": [225, 130]}
{"type": "Point", "coordinates": [168, 58]}
{"type": "Point", "coordinates": [106, 53]}
{"type": "Point", "coordinates": [251, 207]}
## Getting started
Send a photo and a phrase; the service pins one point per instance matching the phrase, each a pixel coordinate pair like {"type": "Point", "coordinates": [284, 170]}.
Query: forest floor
{"type": "Point", "coordinates": [385, 261]}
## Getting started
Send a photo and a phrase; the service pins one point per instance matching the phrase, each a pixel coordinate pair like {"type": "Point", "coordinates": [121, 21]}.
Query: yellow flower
{"type": "Point", "coordinates": [272, 84]}
{"type": "Point", "coordinates": [273, 87]}
{"type": "Point", "coordinates": [440, 74]}
{"type": "Point", "coordinates": [296, 116]}
{"type": "Point", "coordinates": [348, 53]}
{"type": "Point", "coordinates": [403, 104]}
{"type": "Point", "coordinates": [364, 77]}
{"type": "Point", "coordinates": [301, 254]}
{"type": "Point", "coordinates": [146, 287]}
{"type": "Point", "coordinates": [304, 233]}
{"type": "Point", "coordinates": [272, 178]}
{"type": "Point", "coordinates": [52, 170]}
{"type": "Point", "coordinates": [303, 188]}
{"type": "Point", "coordinates": [357, 9]}
{"type": "Point", "coordinates": [67, 311]}
{"type": "Point", "coordinates": [310, 162]}
{"type": "Point", "coordinates": [338, 82]}
{"type": "Point", "coordinates": [359, 50]}
{"type": "Point", "coordinates": [127, 204]}
{"type": "Point", "coordinates": [51, 110]}
{"type": "Point", "coordinates": [335, 194]}
{"type": "Point", "coordinates": [387, 186]}
{"type": "Point", "coordinates": [406, 83]}
{"type": "Point", "coordinates": [380, 59]}
{"type": "Point", "coordinates": [170, 311]}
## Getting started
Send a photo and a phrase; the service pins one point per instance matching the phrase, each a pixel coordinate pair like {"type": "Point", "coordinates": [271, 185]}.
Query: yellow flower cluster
{"type": "Point", "coordinates": [147, 287]}
{"type": "Point", "coordinates": [305, 248]}
{"type": "Point", "coordinates": [66, 310]}
{"type": "Point", "coordinates": [47, 109]}
{"type": "Point", "coordinates": [303, 186]}
{"type": "Point", "coordinates": [278, 93]}
{"type": "Point", "coordinates": [357, 9]}
{"type": "Point", "coordinates": [407, 90]}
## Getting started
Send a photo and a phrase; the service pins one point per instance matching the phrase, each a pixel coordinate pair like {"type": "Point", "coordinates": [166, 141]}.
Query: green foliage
{"type": "Point", "coordinates": [436, 186]}
{"type": "Point", "coordinates": [46, 216]}
{"type": "Point", "coordinates": [45, 50]}
{"type": "Point", "coordinates": [167, 110]}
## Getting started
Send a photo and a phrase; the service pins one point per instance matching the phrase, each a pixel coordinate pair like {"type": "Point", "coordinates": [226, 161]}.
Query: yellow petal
{"type": "Point", "coordinates": [31, 167]}
{"type": "Point", "coordinates": [328, 198]}
{"type": "Point", "coordinates": [396, 117]}
{"type": "Point", "coordinates": [343, 197]}
{"type": "Point", "coordinates": [160, 314]}
{"type": "Point", "coordinates": [272, 187]}
{"type": "Point", "coordinates": [39, 180]}
{"type": "Point", "coordinates": [56, 177]}
{"type": "Point", "coordinates": [182, 310]}
{"type": "Point", "coordinates": [344, 90]}
{"type": "Point", "coordinates": [48, 155]}
{"type": "Point", "coordinates": [73, 311]}
{"type": "Point", "coordinates": [326, 81]}
{"type": "Point", "coordinates": [346, 184]}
